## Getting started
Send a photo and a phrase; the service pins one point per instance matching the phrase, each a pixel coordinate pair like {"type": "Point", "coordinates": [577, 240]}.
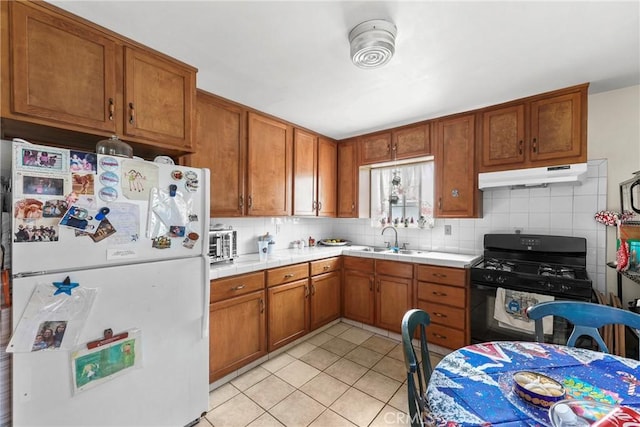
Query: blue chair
{"type": "Point", "coordinates": [417, 369]}
{"type": "Point", "coordinates": [586, 318]}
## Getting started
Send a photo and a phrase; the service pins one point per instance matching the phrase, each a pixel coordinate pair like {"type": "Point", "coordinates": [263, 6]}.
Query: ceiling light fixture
{"type": "Point", "coordinates": [372, 43]}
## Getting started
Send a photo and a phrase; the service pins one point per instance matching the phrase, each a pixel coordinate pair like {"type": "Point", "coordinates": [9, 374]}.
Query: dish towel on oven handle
{"type": "Point", "coordinates": [511, 307]}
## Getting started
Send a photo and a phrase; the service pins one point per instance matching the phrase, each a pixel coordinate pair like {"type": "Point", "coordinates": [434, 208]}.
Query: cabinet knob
{"type": "Point", "coordinates": [439, 294]}
{"type": "Point", "coordinates": [261, 305]}
{"type": "Point", "coordinates": [288, 275]}
{"type": "Point", "coordinates": [306, 291]}
{"type": "Point", "coordinates": [455, 193]}
{"type": "Point", "coordinates": [313, 290]}
{"type": "Point", "coordinates": [249, 201]}
{"type": "Point", "coordinates": [534, 147]}
{"type": "Point", "coordinates": [237, 288]}
{"type": "Point", "coordinates": [326, 267]}
{"type": "Point", "coordinates": [436, 314]}
{"type": "Point", "coordinates": [319, 206]}
{"type": "Point", "coordinates": [520, 147]}
{"type": "Point", "coordinates": [353, 207]}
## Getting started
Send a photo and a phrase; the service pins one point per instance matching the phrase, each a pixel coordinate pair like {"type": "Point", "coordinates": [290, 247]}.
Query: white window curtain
{"type": "Point", "coordinates": [402, 194]}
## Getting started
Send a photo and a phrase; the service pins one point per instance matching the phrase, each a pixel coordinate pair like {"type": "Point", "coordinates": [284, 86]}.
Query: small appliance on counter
{"type": "Point", "coordinates": [223, 244]}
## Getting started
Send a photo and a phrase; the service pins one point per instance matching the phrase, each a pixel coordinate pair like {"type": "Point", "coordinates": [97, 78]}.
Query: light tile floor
{"type": "Point", "coordinates": [343, 376]}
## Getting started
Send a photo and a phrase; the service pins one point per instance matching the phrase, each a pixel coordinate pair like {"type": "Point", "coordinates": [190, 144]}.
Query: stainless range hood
{"type": "Point", "coordinates": [533, 177]}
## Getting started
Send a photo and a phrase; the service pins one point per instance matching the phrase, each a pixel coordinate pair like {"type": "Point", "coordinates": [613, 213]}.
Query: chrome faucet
{"type": "Point", "coordinates": [395, 245]}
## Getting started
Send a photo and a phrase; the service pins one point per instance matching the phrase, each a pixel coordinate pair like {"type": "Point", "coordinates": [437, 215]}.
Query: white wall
{"type": "Point", "coordinates": [614, 153]}
{"type": "Point", "coordinates": [614, 134]}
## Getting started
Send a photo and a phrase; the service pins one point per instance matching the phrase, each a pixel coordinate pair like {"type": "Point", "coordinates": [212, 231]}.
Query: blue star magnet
{"type": "Point", "coordinates": [64, 287]}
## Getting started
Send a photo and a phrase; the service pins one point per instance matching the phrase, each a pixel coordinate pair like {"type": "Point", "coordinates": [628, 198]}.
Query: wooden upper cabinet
{"type": "Point", "coordinates": [220, 142]}
{"type": "Point", "coordinates": [411, 141]}
{"type": "Point", "coordinates": [456, 189]}
{"type": "Point", "coordinates": [405, 142]}
{"type": "Point", "coordinates": [375, 148]}
{"type": "Point", "coordinates": [557, 128]}
{"type": "Point", "coordinates": [269, 166]}
{"type": "Point", "coordinates": [348, 179]}
{"type": "Point", "coordinates": [315, 163]}
{"type": "Point", "coordinates": [543, 130]}
{"type": "Point", "coordinates": [327, 177]}
{"type": "Point", "coordinates": [67, 73]}
{"type": "Point", "coordinates": [62, 71]}
{"type": "Point", "coordinates": [158, 99]}
{"type": "Point", "coordinates": [305, 169]}
{"type": "Point", "coordinates": [503, 136]}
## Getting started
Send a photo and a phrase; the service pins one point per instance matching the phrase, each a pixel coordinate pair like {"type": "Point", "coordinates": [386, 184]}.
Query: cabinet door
{"type": "Point", "coordinates": [305, 146]}
{"type": "Point", "coordinates": [393, 299]}
{"type": "Point", "coordinates": [62, 71]}
{"type": "Point", "coordinates": [325, 299]}
{"type": "Point", "coordinates": [557, 128]}
{"type": "Point", "coordinates": [327, 177]}
{"type": "Point", "coordinates": [358, 296]}
{"type": "Point", "coordinates": [288, 312]}
{"type": "Point", "coordinates": [220, 143]}
{"type": "Point", "coordinates": [375, 148]}
{"type": "Point", "coordinates": [237, 334]}
{"type": "Point", "coordinates": [269, 167]}
{"type": "Point", "coordinates": [456, 194]}
{"type": "Point", "coordinates": [503, 136]}
{"type": "Point", "coordinates": [348, 179]}
{"type": "Point", "coordinates": [412, 141]}
{"type": "Point", "coordinates": [159, 99]}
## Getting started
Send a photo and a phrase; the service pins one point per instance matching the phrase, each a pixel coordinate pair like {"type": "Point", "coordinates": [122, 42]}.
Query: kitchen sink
{"type": "Point", "coordinates": [376, 249]}
{"type": "Point", "coordinates": [410, 252]}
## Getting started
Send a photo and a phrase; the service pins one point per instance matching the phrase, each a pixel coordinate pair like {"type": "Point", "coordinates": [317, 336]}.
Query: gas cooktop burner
{"type": "Point", "coordinates": [556, 271]}
{"type": "Point", "coordinates": [498, 264]}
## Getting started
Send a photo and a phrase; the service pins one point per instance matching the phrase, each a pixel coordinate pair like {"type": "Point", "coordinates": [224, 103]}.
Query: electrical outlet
{"type": "Point", "coordinates": [447, 230]}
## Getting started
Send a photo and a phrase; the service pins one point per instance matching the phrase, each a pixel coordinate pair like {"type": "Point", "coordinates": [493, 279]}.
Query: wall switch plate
{"type": "Point", "coordinates": [447, 230]}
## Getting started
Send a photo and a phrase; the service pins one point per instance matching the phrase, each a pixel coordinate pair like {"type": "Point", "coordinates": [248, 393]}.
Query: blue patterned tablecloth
{"type": "Point", "coordinates": [473, 385]}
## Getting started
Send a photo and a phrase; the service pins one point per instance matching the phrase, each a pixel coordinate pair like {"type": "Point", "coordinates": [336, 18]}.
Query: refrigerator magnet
{"type": "Point", "coordinates": [162, 242]}
{"type": "Point", "coordinates": [176, 231]}
{"type": "Point", "coordinates": [108, 194]}
{"type": "Point", "coordinates": [190, 240]}
{"type": "Point", "coordinates": [177, 175]}
{"type": "Point", "coordinates": [109, 179]}
{"type": "Point", "coordinates": [191, 185]}
{"type": "Point", "coordinates": [108, 164]}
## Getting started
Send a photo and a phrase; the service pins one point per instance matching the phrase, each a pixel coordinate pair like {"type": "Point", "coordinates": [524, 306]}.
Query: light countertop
{"type": "Point", "coordinates": [251, 262]}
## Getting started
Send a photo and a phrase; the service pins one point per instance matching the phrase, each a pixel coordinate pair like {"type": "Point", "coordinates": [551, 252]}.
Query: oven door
{"type": "Point", "coordinates": [485, 327]}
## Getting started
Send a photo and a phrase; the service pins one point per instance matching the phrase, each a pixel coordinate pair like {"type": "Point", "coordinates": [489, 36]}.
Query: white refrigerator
{"type": "Point", "coordinates": [131, 291]}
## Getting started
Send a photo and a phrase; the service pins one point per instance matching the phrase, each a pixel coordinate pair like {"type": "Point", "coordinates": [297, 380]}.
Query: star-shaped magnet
{"type": "Point", "coordinates": [65, 286]}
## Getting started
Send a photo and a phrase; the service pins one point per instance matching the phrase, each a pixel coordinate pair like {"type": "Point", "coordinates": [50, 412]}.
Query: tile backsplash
{"type": "Point", "coordinates": [559, 209]}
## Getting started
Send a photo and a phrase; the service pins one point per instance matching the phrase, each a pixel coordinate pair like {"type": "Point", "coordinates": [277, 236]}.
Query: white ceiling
{"type": "Point", "coordinates": [291, 58]}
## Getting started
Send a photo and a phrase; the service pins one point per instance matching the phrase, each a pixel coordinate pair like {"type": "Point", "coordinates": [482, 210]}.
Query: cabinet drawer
{"type": "Point", "coordinates": [357, 263]}
{"type": "Point", "coordinates": [441, 294]}
{"type": "Point", "coordinates": [393, 268]}
{"type": "Point", "coordinates": [445, 337]}
{"type": "Point", "coordinates": [445, 275]}
{"type": "Point", "coordinates": [222, 289]}
{"type": "Point", "coordinates": [288, 273]}
{"type": "Point", "coordinates": [324, 265]}
{"type": "Point", "coordinates": [443, 314]}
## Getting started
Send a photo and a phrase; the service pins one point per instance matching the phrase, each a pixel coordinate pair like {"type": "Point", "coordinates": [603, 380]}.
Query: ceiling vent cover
{"type": "Point", "coordinates": [372, 43]}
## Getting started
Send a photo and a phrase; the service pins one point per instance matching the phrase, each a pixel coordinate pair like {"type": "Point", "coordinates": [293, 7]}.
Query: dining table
{"type": "Point", "coordinates": [473, 386]}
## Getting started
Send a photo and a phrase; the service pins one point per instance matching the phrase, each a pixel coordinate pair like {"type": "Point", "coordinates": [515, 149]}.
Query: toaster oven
{"type": "Point", "coordinates": [223, 245]}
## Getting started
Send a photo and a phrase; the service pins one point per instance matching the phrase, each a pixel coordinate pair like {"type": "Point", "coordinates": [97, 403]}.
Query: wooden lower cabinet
{"type": "Point", "coordinates": [444, 294]}
{"type": "Point", "coordinates": [393, 299]}
{"type": "Point", "coordinates": [377, 292]}
{"type": "Point", "coordinates": [288, 312]}
{"type": "Point", "coordinates": [357, 289]}
{"type": "Point", "coordinates": [325, 299]}
{"type": "Point", "coordinates": [237, 333]}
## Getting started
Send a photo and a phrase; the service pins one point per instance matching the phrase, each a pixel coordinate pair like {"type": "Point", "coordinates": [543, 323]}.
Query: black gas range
{"type": "Point", "coordinates": [548, 265]}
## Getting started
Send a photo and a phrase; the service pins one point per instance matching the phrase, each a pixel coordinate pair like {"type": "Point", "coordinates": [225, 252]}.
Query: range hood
{"type": "Point", "coordinates": [533, 177]}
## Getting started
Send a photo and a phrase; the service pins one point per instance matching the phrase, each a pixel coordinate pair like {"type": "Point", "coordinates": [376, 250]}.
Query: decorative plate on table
{"type": "Point", "coordinates": [334, 242]}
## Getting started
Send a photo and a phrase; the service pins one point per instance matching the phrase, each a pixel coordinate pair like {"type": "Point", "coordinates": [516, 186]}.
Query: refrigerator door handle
{"type": "Point", "coordinates": [205, 300]}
